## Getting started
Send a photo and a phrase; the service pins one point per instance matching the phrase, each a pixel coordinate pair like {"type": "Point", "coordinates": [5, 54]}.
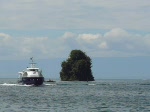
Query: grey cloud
{"type": "Point", "coordinates": [70, 14]}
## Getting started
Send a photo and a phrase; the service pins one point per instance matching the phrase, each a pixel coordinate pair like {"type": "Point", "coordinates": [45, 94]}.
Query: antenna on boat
{"type": "Point", "coordinates": [32, 63]}
{"type": "Point", "coordinates": [31, 59]}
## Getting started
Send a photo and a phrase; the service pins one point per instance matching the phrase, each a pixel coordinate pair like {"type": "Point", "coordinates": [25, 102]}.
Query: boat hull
{"type": "Point", "coordinates": [32, 80]}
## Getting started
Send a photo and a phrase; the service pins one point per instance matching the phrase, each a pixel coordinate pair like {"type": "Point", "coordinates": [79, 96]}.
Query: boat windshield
{"type": "Point", "coordinates": [31, 69]}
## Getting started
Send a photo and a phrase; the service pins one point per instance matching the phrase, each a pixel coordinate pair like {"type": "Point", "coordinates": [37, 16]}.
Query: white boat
{"type": "Point", "coordinates": [32, 75]}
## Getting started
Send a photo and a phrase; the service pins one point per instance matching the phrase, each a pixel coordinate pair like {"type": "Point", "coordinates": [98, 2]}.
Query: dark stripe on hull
{"type": "Point", "coordinates": [33, 80]}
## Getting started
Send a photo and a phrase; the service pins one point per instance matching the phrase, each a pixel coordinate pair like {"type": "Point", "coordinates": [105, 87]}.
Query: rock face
{"type": "Point", "coordinates": [77, 67]}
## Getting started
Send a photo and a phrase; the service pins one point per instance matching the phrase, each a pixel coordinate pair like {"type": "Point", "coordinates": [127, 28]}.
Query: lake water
{"type": "Point", "coordinates": [97, 96]}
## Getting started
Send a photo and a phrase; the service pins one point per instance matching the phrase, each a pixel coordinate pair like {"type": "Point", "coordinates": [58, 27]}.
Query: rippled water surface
{"type": "Point", "coordinates": [98, 96]}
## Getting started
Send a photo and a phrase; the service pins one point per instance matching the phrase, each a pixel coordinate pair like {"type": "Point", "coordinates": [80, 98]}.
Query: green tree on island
{"type": "Point", "coordinates": [77, 67]}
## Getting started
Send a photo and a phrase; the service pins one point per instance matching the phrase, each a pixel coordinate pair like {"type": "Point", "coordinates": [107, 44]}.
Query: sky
{"type": "Point", "coordinates": [50, 29]}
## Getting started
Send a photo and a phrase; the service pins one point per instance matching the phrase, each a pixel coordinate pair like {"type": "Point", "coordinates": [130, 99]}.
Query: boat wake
{"type": "Point", "coordinates": [43, 85]}
{"type": "Point", "coordinates": [9, 84]}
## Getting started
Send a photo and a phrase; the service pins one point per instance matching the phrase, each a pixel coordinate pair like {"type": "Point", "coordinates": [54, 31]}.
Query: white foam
{"type": "Point", "coordinates": [50, 84]}
{"type": "Point", "coordinates": [91, 84]}
{"type": "Point", "coordinates": [8, 84]}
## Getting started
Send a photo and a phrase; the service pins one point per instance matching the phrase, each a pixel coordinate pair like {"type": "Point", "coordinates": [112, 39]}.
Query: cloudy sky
{"type": "Point", "coordinates": [48, 29]}
{"type": "Point", "coordinates": [51, 28]}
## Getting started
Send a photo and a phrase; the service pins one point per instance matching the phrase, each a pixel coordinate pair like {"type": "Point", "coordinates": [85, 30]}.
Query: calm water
{"type": "Point", "coordinates": [98, 96]}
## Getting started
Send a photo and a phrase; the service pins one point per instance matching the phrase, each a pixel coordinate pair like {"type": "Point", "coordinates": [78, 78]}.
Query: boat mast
{"type": "Point", "coordinates": [32, 63]}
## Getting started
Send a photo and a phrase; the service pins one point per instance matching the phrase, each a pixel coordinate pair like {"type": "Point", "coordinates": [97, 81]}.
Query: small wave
{"type": "Point", "coordinates": [145, 84]}
{"type": "Point", "coordinates": [8, 84]}
{"type": "Point", "coordinates": [24, 85]}
{"type": "Point", "coordinates": [50, 84]}
{"type": "Point", "coordinates": [91, 84]}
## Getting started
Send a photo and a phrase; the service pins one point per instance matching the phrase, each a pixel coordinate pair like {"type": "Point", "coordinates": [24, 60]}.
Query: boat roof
{"type": "Point", "coordinates": [32, 68]}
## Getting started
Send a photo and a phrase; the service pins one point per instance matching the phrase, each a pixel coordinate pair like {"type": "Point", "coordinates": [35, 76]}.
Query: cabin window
{"type": "Point", "coordinates": [32, 69]}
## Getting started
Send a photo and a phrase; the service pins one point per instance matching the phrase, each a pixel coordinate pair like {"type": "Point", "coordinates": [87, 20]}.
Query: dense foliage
{"type": "Point", "coordinates": [76, 67]}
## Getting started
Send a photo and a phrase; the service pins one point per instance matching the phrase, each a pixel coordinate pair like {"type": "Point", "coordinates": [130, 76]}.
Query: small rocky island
{"type": "Point", "coordinates": [77, 67]}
